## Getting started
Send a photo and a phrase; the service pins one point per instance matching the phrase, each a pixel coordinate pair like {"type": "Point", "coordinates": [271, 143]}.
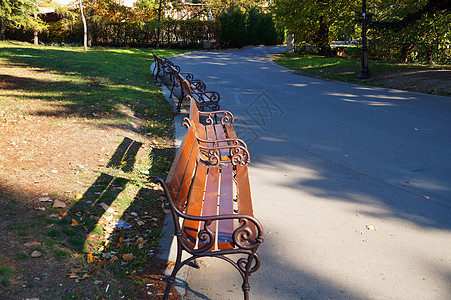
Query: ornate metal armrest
{"type": "Point", "coordinates": [206, 98]}
{"type": "Point", "coordinates": [227, 117]}
{"type": "Point", "coordinates": [188, 75]}
{"type": "Point", "coordinates": [238, 154]}
{"type": "Point", "coordinates": [241, 235]}
{"type": "Point", "coordinates": [198, 84]}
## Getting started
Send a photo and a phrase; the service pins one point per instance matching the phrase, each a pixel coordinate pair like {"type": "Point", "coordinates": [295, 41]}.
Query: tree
{"type": "Point", "coordinates": [404, 13]}
{"type": "Point", "coordinates": [85, 27]}
{"type": "Point", "coordinates": [410, 30]}
{"type": "Point", "coordinates": [19, 14]}
{"type": "Point", "coordinates": [317, 21]}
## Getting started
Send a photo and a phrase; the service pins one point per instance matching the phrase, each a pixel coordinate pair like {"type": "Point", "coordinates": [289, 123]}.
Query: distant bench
{"type": "Point", "coordinates": [195, 88]}
{"type": "Point", "coordinates": [211, 205]}
{"type": "Point", "coordinates": [162, 68]}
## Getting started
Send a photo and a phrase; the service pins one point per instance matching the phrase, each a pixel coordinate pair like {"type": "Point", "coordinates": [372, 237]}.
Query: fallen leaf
{"type": "Point", "coordinates": [45, 199]}
{"type": "Point", "coordinates": [371, 227]}
{"type": "Point", "coordinates": [104, 206]}
{"type": "Point", "coordinates": [73, 275]}
{"type": "Point", "coordinates": [74, 223]}
{"type": "Point", "coordinates": [58, 204]}
{"type": "Point", "coordinates": [108, 229]}
{"type": "Point", "coordinates": [78, 196]}
{"type": "Point", "coordinates": [366, 241]}
{"type": "Point", "coordinates": [139, 241]}
{"type": "Point", "coordinates": [359, 215]}
{"type": "Point", "coordinates": [32, 244]}
{"type": "Point", "coordinates": [127, 256]}
{"type": "Point", "coordinates": [84, 277]}
{"type": "Point", "coordinates": [108, 218]}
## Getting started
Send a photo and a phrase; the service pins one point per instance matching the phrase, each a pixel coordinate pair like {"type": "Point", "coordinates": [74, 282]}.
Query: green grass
{"type": "Point", "coordinates": [106, 88]}
{"type": "Point", "coordinates": [344, 69]}
{"type": "Point", "coordinates": [93, 84]}
{"type": "Point", "coordinates": [5, 274]}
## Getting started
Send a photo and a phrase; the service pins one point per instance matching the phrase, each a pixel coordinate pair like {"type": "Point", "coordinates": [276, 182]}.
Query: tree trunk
{"type": "Point", "coordinates": [2, 30]}
{"type": "Point", "coordinates": [36, 33]}
{"type": "Point", "coordinates": [90, 26]}
{"type": "Point", "coordinates": [322, 38]}
{"type": "Point", "coordinates": [85, 28]}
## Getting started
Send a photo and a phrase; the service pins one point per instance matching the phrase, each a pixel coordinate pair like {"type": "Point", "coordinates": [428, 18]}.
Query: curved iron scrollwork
{"type": "Point", "coordinates": [243, 235]}
{"type": "Point", "coordinates": [198, 84]}
{"type": "Point", "coordinates": [227, 117]}
{"type": "Point", "coordinates": [188, 75]}
{"type": "Point", "coordinates": [238, 154]}
{"type": "Point", "coordinates": [243, 262]}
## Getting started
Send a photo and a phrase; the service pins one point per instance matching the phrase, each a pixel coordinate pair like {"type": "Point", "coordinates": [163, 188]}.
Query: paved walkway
{"type": "Point", "coordinates": [330, 159]}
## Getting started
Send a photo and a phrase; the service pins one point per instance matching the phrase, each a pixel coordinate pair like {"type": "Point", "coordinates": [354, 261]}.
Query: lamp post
{"type": "Point", "coordinates": [364, 71]}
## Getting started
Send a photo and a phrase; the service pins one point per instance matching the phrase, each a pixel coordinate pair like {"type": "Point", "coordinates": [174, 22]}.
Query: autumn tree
{"type": "Point", "coordinates": [317, 21]}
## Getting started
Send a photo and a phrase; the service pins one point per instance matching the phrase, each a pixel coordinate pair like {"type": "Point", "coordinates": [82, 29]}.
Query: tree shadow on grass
{"type": "Point", "coordinates": [117, 223]}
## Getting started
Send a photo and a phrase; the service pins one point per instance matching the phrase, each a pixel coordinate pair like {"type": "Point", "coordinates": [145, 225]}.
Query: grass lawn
{"type": "Point", "coordinates": [82, 134]}
{"type": "Point", "coordinates": [420, 78]}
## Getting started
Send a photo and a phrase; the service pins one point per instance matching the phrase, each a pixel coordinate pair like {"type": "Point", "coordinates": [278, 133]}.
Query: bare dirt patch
{"type": "Point", "coordinates": [49, 154]}
{"type": "Point", "coordinates": [418, 80]}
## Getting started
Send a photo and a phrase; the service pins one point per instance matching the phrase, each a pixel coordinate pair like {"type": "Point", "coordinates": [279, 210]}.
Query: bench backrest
{"type": "Point", "coordinates": [182, 170]}
{"type": "Point", "coordinates": [185, 85]}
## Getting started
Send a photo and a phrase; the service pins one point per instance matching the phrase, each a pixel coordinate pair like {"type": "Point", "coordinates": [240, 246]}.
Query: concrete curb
{"type": "Point", "coordinates": [168, 242]}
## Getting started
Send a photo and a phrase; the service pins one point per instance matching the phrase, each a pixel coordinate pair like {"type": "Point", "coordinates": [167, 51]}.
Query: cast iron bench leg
{"type": "Point", "coordinates": [177, 266]}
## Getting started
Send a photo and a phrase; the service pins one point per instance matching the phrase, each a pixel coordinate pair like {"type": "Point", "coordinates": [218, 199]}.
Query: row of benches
{"type": "Point", "coordinates": [209, 194]}
{"type": "Point", "coordinates": [166, 72]}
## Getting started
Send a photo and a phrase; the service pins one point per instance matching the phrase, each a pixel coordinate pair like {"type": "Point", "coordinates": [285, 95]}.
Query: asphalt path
{"type": "Point", "coordinates": [351, 183]}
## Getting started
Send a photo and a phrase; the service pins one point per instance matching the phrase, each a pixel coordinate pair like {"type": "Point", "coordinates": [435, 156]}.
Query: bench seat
{"type": "Point", "coordinates": [211, 205]}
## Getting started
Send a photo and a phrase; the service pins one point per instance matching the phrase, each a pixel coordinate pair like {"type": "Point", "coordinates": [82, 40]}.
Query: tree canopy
{"type": "Point", "coordinates": [316, 21]}
{"type": "Point", "coordinates": [20, 14]}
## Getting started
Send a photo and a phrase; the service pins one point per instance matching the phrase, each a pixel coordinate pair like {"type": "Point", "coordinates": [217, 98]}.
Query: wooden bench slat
{"type": "Point", "coordinates": [230, 131]}
{"type": "Point", "coordinates": [220, 135]}
{"type": "Point", "coordinates": [226, 227]}
{"type": "Point", "coordinates": [189, 173]}
{"type": "Point", "coordinates": [244, 194]}
{"type": "Point", "coordinates": [243, 191]}
{"type": "Point", "coordinates": [211, 195]}
{"type": "Point", "coordinates": [194, 206]}
{"type": "Point", "coordinates": [177, 172]}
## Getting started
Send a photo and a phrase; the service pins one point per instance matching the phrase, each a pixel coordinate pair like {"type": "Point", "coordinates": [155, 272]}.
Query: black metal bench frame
{"type": "Point", "coordinates": [162, 66]}
{"type": "Point", "coordinates": [197, 91]}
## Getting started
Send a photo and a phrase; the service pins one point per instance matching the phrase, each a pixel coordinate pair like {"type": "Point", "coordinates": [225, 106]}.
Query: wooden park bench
{"type": "Point", "coordinates": [196, 84]}
{"type": "Point", "coordinates": [197, 90]}
{"type": "Point", "coordinates": [162, 68]}
{"type": "Point", "coordinates": [212, 210]}
{"type": "Point", "coordinates": [215, 129]}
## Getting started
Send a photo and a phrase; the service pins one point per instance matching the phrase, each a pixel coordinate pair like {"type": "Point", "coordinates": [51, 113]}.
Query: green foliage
{"type": "Point", "coordinates": [316, 22]}
{"type": "Point", "coordinates": [252, 27]}
{"type": "Point", "coordinates": [20, 14]}
{"type": "Point", "coordinates": [410, 31]}
{"type": "Point", "coordinates": [233, 26]}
